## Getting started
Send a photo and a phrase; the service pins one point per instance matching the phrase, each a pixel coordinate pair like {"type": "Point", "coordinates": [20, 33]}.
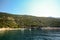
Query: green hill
{"type": "Point", "coordinates": [27, 21]}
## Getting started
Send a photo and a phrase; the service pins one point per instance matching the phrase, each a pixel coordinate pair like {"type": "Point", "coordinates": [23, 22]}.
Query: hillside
{"type": "Point", "coordinates": [27, 21]}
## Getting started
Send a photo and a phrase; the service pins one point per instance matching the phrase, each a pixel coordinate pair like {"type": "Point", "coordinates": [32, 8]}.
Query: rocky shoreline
{"type": "Point", "coordinates": [51, 28]}
{"type": "Point", "coordinates": [2, 29]}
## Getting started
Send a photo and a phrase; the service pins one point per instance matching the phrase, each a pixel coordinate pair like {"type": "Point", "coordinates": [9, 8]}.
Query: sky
{"type": "Point", "coordinates": [40, 8]}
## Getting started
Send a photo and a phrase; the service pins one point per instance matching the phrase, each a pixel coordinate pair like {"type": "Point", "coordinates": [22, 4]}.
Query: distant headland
{"type": "Point", "coordinates": [27, 21]}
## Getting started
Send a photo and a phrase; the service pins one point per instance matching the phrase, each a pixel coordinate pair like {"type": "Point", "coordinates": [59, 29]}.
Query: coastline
{"type": "Point", "coordinates": [51, 28]}
{"type": "Point", "coordinates": [47, 28]}
{"type": "Point", "coordinates": [3, 29]}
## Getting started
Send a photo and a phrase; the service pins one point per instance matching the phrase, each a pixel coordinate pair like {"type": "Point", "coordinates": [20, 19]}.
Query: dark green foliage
{"type": "Point", "coordinates": [21, 21]}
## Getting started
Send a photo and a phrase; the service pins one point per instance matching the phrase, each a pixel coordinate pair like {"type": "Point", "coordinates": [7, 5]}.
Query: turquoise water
{"type": "Point", "coordinates": [30, 35]}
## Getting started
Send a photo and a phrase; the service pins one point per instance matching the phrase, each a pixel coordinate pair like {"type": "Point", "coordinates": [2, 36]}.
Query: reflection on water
{"type": "Point", "coordinates": [30, 35]}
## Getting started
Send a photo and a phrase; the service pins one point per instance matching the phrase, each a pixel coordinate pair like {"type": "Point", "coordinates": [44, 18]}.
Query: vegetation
{"type": "Point", "coordinates": [27, 21]}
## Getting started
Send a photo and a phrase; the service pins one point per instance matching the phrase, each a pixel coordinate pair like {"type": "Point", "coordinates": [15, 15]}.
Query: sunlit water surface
{"type": "Point", "coordinates": [30, 35]}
